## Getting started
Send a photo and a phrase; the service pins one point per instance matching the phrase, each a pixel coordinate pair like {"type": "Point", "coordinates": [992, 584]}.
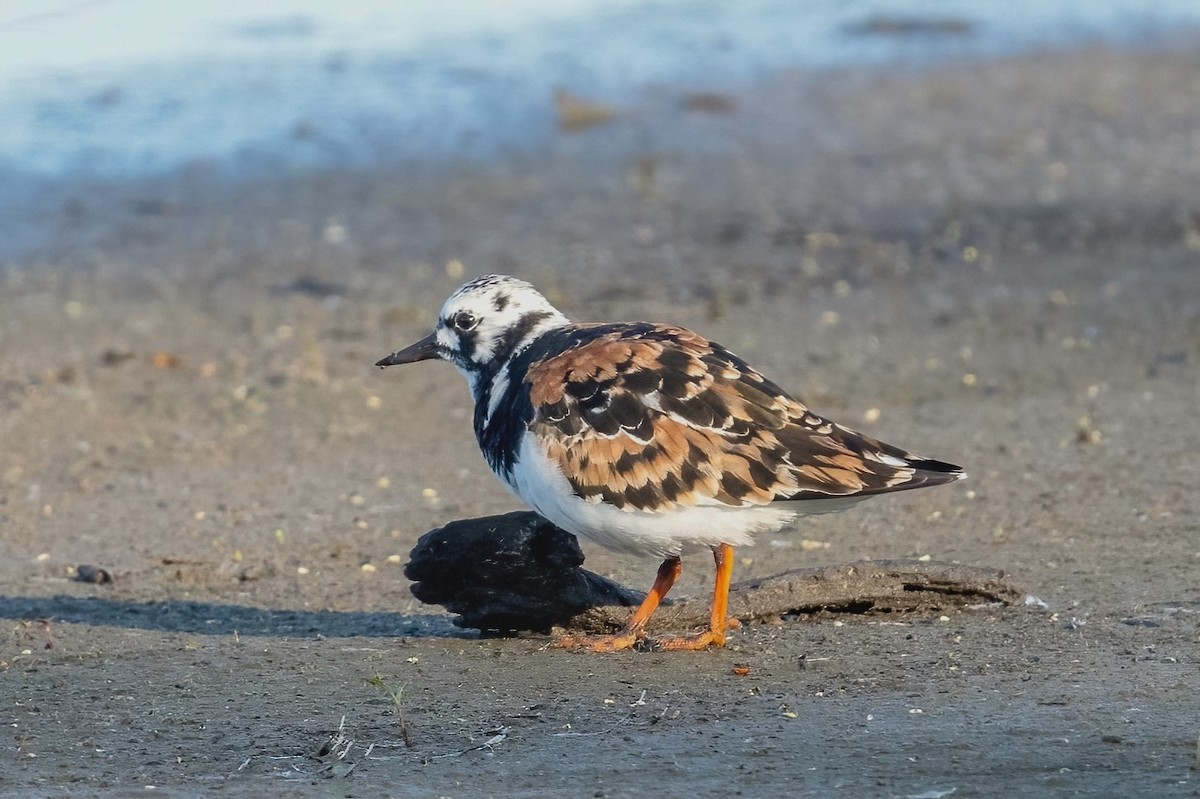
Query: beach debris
{"type": "Point", "coordinates": [709, 103]}
{"type": "Point", "coordinates": [111, 357]}
{"type": "Point", "coordinates": [498, 734]}
{"type": "Point", "coordinates": [87, 573]}
{"type": "Point", "coordinates": [165, 360]}
{"type": "Point", "coordinates": [576, 114]}
{"type": "Point", "coordinates": [508, 573]}
{"type": "Point", "coordinates": [933, 793]}
{"type": "Point", "coordinates": [882, 25]}
{"type": "Point", "coordinates": [333, 754]}
{"type": "Point", "coordinates": [309, 286]}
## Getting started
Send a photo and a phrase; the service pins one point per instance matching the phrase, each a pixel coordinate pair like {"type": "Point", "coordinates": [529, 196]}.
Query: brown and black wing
{"type": "Point", "coordinates": [652, 417]}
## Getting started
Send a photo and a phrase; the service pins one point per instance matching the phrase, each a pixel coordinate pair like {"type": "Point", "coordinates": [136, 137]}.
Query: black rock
{"type": "Point", "coordinates": [509, 573]}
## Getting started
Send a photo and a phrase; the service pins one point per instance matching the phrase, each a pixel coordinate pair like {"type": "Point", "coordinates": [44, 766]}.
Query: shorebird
{"type": "Point", "coordinates": [649, 438]}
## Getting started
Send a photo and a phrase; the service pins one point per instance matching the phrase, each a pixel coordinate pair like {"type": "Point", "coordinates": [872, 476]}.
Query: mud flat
{"type": "Point", "coordinates": [995, 264]}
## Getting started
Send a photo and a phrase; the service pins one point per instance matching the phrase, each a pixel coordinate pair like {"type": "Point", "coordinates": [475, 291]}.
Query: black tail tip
{"type": "Point", "coordinates": [940, 467]}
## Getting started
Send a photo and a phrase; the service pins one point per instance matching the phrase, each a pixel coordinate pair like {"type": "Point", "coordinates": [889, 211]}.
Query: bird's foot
{"type": "Point", "coordinates": [714, 637]}
{"type": "Point", "coordinates": [704, 640]}
{"type": "Point", "coordinates": [637, 640]}
{"type": "Point", "coordinates": [617, 642]}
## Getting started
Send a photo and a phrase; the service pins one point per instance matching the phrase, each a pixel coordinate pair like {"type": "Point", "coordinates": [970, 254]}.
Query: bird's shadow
{"type": "Point", "coordinates": [211, 618]}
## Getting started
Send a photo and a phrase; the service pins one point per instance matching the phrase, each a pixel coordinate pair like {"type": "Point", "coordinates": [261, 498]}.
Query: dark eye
{"type": "Point", "coordinates": [464, 321]}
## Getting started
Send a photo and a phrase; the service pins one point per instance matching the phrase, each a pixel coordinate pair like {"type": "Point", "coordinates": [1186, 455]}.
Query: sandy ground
{"type": "Point", "coordinates": [997, 265]}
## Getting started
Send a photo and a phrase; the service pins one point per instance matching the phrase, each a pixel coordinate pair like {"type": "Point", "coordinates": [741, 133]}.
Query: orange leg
{"type": "Point", "coordinates": [668, 573]}
{"type": "Point", "coordinates": [718, 620]}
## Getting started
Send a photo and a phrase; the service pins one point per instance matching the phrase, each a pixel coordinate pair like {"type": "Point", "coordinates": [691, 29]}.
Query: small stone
{"type": "Point", "coordinates": [86, 573]}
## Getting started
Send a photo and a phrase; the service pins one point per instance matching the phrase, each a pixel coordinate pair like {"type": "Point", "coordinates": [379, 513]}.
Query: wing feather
{"type": "Point", "coordinates": [653, 417]}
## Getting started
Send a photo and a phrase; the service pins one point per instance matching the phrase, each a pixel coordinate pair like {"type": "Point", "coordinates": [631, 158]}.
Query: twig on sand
{"type": "Point", "coordinates": [332, 755]}
{"type": "Point", "coordinates": [334, 752]}
{"type": "Point", "coordinates": [640, 701]}
{"type": "Point", "coordinates": [500, 734]}
{"type": "Point", "coordinates": [603, 732]}
{"type": "Point", "coordinates": [338, 745]}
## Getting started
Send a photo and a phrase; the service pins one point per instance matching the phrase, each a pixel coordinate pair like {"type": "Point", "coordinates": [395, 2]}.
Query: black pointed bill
{"type": "Point", "coordinates": [423, 350]}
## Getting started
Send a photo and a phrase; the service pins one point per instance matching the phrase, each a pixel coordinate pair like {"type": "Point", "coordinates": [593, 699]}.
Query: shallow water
{"type": "Point", "coordinates": [120, 90]}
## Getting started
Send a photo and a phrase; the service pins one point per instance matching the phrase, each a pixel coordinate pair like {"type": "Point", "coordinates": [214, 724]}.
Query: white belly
{"type": "Point", "coordinates": [540, 483]}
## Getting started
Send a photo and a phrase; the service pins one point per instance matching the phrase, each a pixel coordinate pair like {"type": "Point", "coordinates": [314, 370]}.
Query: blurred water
{"type": "Point", "coordinates": [117, 89]}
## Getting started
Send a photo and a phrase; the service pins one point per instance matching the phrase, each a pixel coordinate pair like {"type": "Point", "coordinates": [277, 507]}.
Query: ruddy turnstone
{"type": "Point", "coordinates": [649, 438]}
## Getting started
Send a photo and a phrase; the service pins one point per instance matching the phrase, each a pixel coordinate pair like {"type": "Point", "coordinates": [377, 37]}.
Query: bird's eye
{"type": "Point", "coordinates": [464, 321]}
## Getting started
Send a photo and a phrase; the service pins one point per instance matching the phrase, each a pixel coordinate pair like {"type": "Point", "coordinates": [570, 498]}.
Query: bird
{"type": "Point", "coordinates": [649, 438]}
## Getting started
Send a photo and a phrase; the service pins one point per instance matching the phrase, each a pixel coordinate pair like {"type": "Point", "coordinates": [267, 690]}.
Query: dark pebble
{"type": "Point", "coordinates": [92, 574]}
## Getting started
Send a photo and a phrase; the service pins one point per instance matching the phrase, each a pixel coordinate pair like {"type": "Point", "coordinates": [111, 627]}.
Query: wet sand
{"type": "Point", "coordinates": [993, 264]}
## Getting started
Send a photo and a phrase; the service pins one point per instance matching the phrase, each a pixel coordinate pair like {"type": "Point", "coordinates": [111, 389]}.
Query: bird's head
{"type": "Point", "coordinates": [483, 324]}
